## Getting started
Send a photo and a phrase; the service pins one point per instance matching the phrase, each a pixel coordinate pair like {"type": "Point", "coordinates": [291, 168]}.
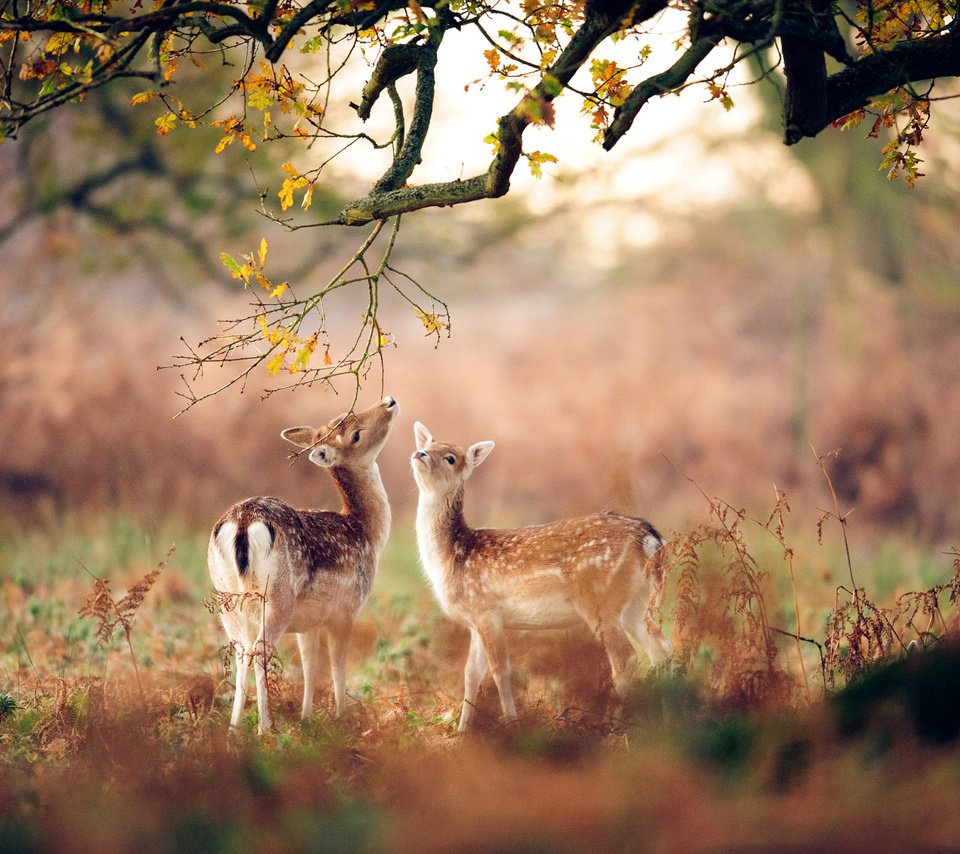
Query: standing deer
{"type": "Point", "coordinates": [597, 569]}
{"type": "Point", "coordinates": [312, 569]}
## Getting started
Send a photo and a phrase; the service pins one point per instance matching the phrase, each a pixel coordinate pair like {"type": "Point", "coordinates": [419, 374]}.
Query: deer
{"type": "Point", "coordinates": [602, 570]}
{"type": "Point", "coordinates": [280, 570]}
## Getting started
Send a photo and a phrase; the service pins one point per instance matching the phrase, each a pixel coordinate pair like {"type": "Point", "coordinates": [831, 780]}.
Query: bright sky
{"type": "Point", "coordinates": [669, 157]}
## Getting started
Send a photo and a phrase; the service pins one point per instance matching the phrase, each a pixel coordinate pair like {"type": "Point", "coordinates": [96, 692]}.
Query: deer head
{"type": "Point", "coordinates": [351, 439]}
{"type": "Point", "coordinates": [441, 468]}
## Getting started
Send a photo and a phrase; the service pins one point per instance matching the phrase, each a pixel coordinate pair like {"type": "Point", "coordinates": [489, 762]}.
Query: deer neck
{"type": "Point", "coordinates": [365, 501]}
{"type": "Point", "coordinates": [440, 525]}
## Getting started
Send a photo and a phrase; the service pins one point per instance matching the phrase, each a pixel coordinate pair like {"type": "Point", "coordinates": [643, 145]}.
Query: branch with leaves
{"type": "Point", "coordinates": [294, 64]}
{"type": "Point", "coordinates": [287, 334]}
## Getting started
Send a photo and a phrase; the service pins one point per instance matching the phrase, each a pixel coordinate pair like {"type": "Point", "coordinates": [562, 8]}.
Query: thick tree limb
{"type": "Point", "coordinates": [602, 20]}
{"type": "Point", "coordinates": [408, 156]}
{"type": "Point", "coordinates": [805, 101]}
{"type": "Point", "coordinates": [908, 62]}
{"type": "Point", "coordinates": [396, 61]}
{"type": "Point", "coordinates": [659, 84]}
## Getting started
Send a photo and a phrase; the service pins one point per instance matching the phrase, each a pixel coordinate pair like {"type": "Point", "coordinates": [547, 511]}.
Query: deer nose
{"type": "Point", "coordinates": [389, 402]}
{"type": "Point", "coordinates": [420, 455]}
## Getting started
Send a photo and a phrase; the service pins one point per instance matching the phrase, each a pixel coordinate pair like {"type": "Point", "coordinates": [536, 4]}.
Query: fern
{"type": "Point", "coordinates": [112, 614]}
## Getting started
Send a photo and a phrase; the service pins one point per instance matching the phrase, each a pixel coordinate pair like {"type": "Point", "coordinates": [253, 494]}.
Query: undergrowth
{"type": "Point", "coordinates": [760, 701]}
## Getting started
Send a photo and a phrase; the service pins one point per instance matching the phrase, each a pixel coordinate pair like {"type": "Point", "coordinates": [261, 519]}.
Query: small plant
{"type": "Point", "coordinates": [7, 706]}
{"type": "Point", "coordinates": [112, 614]}
{"type": "Point", "coordinates": [720, 608]}
{"type": "Point", "coordinates": [860, 633]}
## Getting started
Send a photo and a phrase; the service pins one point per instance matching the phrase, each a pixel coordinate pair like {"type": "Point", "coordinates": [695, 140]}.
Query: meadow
{"type": "Point", "coordinates": [114, 729]}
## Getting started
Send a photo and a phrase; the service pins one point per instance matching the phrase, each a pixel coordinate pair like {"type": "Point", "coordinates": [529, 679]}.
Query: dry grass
{"type": "Point", "coordinates": [725, 753]}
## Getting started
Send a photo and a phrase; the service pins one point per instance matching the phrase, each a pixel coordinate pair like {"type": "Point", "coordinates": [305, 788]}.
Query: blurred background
{"type": "Point", "coordinates": [702, 305]}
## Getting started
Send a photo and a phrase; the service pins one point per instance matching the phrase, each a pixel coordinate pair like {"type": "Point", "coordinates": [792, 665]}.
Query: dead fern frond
{"type": "Point", "coordinates": [223, 601]}
{"type": "Point", "coordinates": [721, 608]}
{"type": "Point", "coordinates": [112, 614]}
{"type": "Point", "coordinates": [100, 606]}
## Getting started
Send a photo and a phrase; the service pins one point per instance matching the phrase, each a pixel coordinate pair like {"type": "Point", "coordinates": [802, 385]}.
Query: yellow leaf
{"type": "Point", "coordinates": [142, 98]}
{"type": "Point", "coordinates": [291, 170]}
{"type": "Point", "coordinates": [262, 255]}
{"type": "Point", "coordinates": [171, 67]}
{"type": "Point", "coordinates": [166, 123]}
{"type": "Point", "coordinates": [432, 323]}
{"type": "Point", "coordinates": [286, 190]}
{"type": "Point", "coordinates": [275, 364]}
{"type": "Point", "coordinates": [278, 290]}
{"type": "Point", "coordinates": [286, 194]}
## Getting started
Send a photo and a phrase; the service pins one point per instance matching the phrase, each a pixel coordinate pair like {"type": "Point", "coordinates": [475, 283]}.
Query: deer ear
{"type": "Point", "coordinates": [302, 437]}
{"type": "Point", "coordinates": [421, 435]}
{"type": "Point", "coordinates": [324, 456]}
{"type": "Point", "coordinates": [476, 454]}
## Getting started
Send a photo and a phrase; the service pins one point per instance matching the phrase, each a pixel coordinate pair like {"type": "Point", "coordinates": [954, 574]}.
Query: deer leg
{"type": "Point", "coordinates": [616, 643]}
{"type": "Point", "coordinates": [276, 618]}
{"type": "Point", "coordinates": [263, 650]}
{"type": "Point", "coordinates": [473, 673]}
{"type": "Point", "coordinates": [309, 645]}
{"type": "Point", "coordinates": [242, 659]}
{"type": "Point", "coordinates": [338, 637]}
{"type": "Point", "coordinates": [490, 629]}
{"type": "Point", "coordinates": [647, 633]}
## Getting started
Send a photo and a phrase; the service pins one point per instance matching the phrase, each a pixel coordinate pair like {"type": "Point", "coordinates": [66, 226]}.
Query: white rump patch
{"type": "Point", "coordinates": [228, 530]}
{"type": "Point", "coordinates": [259, 539]}
{"type": "Point", "coordinates": [651, 544]}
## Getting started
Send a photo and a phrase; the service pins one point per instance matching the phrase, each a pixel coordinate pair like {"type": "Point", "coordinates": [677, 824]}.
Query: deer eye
{"type": "Point", "coordinates": [450, 459]}
{"type": "Point", "coordinates": [356, 437]}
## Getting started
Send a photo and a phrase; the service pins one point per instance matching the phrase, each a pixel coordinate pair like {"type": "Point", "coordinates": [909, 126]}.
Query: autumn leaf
{"type": "Point", "coordinates": [433, 323]}
{"type": "Point", "coordinates": [142, 98]}
{"type": "Point", "coordinates": [720, 93]}
{"type": "Point", "coordinates": [307, 197]}
{"type": "Point", "coordinates": [287, 189]}
{"type": "Point", "coordinates": [536, 159]}
{"type": "Point", "coordinates": [237, 270]}
{"type": "Point", "coordinates": [165, 123]}
{"type": "Point", "coordinates": [276, 363]}
{"type": "Point", "coordinates": [493, 59]}
{"type": "Point", "coordinates": [262, 254]}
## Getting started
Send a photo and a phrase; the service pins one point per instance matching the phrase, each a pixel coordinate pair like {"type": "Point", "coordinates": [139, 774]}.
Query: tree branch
{"type": "Point", "coordinates": [396, 61]}
{"type": "Point", "coordinates": [908, 62]}
{"type": "Point", "coordinates": [805, 101]}
{"type": "Point", "coordinates": [659, 84]}
{"type": "Point", "coordinates": [601, 21]}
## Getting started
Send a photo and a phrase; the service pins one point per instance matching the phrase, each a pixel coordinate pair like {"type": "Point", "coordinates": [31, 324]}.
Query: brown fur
{"type": "Point", "coordinates": [597, 569]}
{"type": "Point", "coordinates": [313, 569]}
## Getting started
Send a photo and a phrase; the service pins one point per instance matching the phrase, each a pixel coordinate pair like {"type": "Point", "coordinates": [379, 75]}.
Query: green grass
{"type": "Point", "coordinates": [85, 757]}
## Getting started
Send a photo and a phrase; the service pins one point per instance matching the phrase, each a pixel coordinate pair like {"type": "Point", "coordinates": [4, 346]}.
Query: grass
{"type": "Point", "coordinates": [91, 762]}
